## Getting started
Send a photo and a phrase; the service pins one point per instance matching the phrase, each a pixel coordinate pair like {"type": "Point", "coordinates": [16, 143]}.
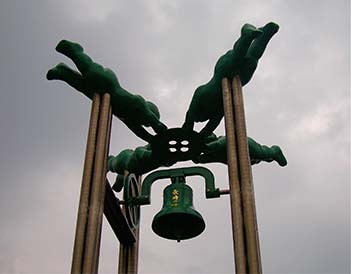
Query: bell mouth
{"type": "Point", "coordinates": [178, 225]}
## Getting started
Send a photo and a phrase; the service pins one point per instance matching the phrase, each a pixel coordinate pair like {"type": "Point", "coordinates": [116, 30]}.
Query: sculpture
{"type": "Point", "coordinates": [216, 151]}
{"type": "Point", "coordinates": [141, 160]}
{"type": "Point", "coordinates": [242, 60]}
{"type": "Point", "coordinates": [132, 109]}
{"type": "Point", "coordinates": [138, 161]}
{"type": "Point", "coordinates": [206, 104]}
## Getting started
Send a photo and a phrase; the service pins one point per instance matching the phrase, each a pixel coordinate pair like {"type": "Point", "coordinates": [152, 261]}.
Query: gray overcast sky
{"type": "Point", "coordinates": [299, 98]}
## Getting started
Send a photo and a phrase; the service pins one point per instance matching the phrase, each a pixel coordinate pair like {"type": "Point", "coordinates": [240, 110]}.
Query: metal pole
{"type": "Point", "coordinates": [98, 187]}
{"type": "Point", "coordinates": [128, 254]}
{"type": "Point", "coordinates": [102, 196]}
{"type": "Point", "coordinates": [78, 250]}
{"type": "Point", "coordinates": [247, 189]}
{"type": "Point", "coordinates": [234, 185]}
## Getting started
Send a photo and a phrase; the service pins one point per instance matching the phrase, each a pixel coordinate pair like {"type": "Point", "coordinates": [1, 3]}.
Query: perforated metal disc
{"type": "Point", "coordinates": [177, 144]}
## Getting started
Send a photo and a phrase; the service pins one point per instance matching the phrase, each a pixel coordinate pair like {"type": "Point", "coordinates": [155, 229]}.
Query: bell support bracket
{"type": "Point", "coordinates": [176, 175]}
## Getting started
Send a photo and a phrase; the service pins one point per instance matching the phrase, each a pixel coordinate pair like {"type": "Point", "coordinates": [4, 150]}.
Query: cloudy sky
{"type": "Point", "coordinates": [299, 98]}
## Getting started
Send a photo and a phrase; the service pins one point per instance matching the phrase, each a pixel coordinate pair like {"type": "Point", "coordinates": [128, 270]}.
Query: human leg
{"type": "Point", "coordinates": [259, 45]}
{"type": "Point", "coordinates": [255, 52]}
{"type": "Point", "coordinates": [75, 52]}
{"type": "Point", "coordinates": [70, 76]}
{"type": "Point", "coordinates": [241, 46]}
{"type": "Point", "coordinates": [260, 152]}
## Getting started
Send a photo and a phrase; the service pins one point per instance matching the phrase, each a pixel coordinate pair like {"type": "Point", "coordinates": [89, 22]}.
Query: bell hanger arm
{"type": "Point", "coordinates": [177, 175]}
{"type": "Point", "coordinates": [211, 191]}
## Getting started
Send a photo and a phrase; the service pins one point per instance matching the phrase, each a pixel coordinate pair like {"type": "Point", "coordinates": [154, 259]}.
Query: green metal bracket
{"type": "Point", "coordinates": [176, 175]}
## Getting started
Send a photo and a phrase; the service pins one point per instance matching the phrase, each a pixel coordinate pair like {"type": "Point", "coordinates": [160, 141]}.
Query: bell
{"type": "Point", "coordinates": [178, 220]}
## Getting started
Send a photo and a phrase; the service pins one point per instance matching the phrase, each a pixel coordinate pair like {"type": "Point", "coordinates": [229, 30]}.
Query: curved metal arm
{"type": "Point", "coordinates": [177, 175]}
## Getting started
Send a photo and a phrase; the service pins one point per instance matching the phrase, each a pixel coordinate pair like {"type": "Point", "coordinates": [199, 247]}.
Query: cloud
{"type": "Point", "coordinates": [93, 11]}
{"type": "Point", "coordinates": [317, 123]}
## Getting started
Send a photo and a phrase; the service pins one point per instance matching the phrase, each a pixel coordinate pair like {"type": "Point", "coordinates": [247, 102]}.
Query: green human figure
{"type": "Point", "coordinates": [138, 161]}
{"type": "Point", "coordinates": [216, 151]}
{"type": "Point", "coordinates": [132, 109]}
{"type": "Point", "coordinates": [242, 60]}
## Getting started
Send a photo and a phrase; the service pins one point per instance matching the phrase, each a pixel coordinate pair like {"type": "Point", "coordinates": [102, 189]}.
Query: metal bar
{"type": "Point", "coordinates": [102, 196]}
{"type": "Point", "coordinates": [234, 185]}
{"type": "Point", "coordinates": [122, 260]}
{"type": "Point", "coordinates": [224, 191]}
{"type": "Point", "coordinates": [116, 218]}
{"type": "Point", "coordinates": [247, 189]}
{"type": "Point", "coordinates": [128, 254]}
{"type": "Point", "coordinates": [78, 249]}
{"type": "Point", "coordinates": [98, 186]}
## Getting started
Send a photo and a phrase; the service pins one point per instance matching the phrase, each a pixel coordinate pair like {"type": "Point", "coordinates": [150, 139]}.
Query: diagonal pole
{"type": "Point", "coordinates": [246, 182]}
{"type": "Point", "coordinates": [234, 184]}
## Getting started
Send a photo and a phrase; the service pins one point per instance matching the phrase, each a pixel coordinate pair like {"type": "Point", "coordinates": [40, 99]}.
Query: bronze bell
{"type": "Point", "coordinates": [178, 220]}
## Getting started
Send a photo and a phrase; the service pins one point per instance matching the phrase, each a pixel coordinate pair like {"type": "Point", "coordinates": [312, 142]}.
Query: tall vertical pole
{"type": "Point", "coordinates": [128, 256]}
{"type": "Point", "coordinates": [234, 184]}
{"type": "Point", "coordinates": [97, 189]}
{"type": "Point", "coordinates": [102, 192]}
{"type": "Point", "coordinates": [79, 243]}
{"type": "Point", "coordinates": [91, 205]}
{"type": "Point", "coordinates": [246, 182]}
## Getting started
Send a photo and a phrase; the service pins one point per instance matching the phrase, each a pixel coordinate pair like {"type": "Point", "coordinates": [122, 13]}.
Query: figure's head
{"type": "Point", "coordinates": [153, 108]}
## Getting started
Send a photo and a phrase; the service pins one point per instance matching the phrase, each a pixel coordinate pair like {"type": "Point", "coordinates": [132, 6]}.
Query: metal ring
{"type": "Point", "coordinates": [131, 190]}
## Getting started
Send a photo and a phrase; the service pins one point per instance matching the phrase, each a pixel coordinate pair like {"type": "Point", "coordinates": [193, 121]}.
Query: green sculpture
{"type": "Point", "coordinates": [138, 161]}
{"type": "Point", "coordinates": [141, 160]}
{"type": "Point", "coordinates": [216, 151]}
{"type": "Point", "coordinates": [242, 60]}
{"type": "Point", "coordinates": [132, 109]}
{"type": "Point", "coordinates": [169, 146]}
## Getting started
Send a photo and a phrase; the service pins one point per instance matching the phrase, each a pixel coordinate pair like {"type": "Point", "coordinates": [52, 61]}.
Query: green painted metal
{"type": "Point", "coordinates": [178, 219]}
{"type": "Point", "coordinates": [170, 146]}
{"type": "Point", "coordinates": [210, 149]}
{"type": "Point", "coordinates": [177, 144]}
{"type": "Point", "coordinates": [131, 109]}
{"type": "Point", "coordinates": [166, 149]}
{"type": "Point", "coordinates": [216, 151]}
{"type": "Point", "coordinates": [242, 60]}
{"type": "Point", "coordinates": [176, 175]}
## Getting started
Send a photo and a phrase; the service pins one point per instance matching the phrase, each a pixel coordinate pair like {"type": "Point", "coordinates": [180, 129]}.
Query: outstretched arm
{"type": "Point", "coordinates": [211, 125]}
{"type": "Point", "coordinates": [139, 131]}
{"type": "Point", "coordinates": [189, 121]}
